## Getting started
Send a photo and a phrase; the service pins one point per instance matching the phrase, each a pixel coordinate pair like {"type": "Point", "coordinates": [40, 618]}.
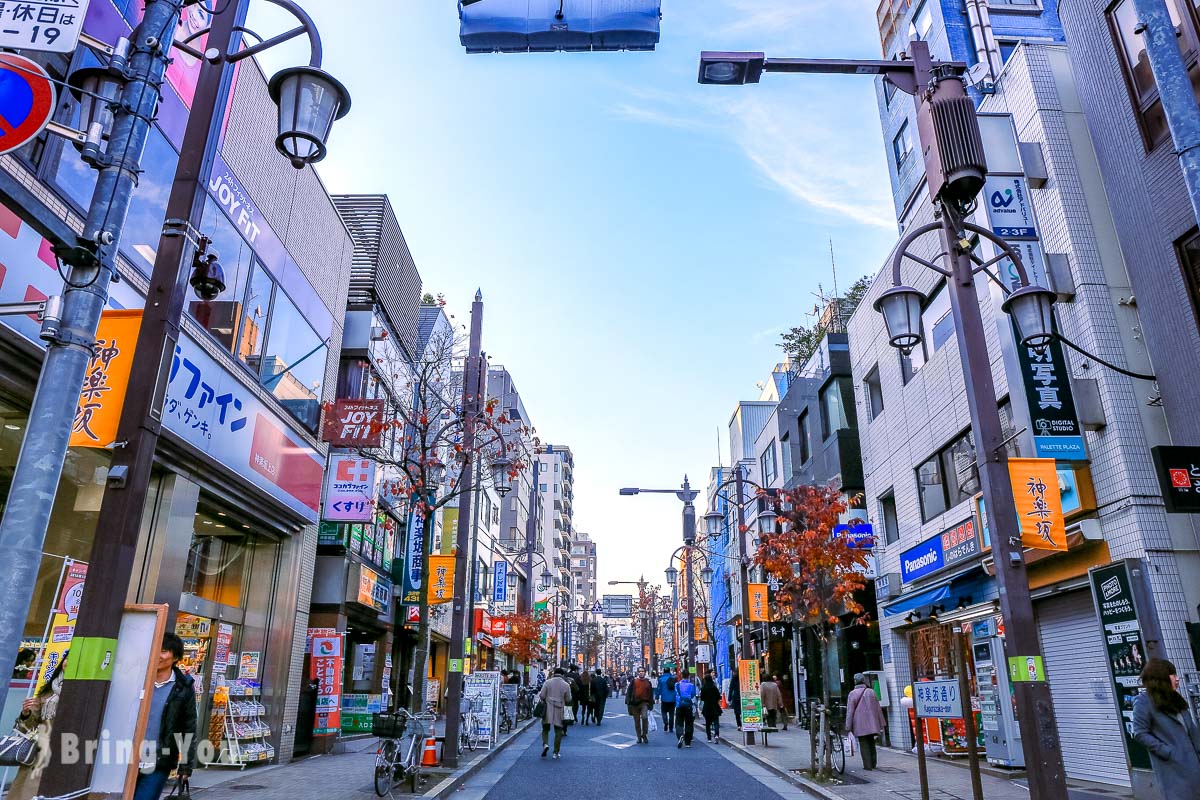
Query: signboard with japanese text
{"type": "Point", "coordinates": [760, 608]}
{"type": "Point", "coordinates": [1009, 208]}
{"type": "Point", "coordinates": [937, 698]}
{"type": "Point", "coordinates": [325, 667]}
{"type": "Point", "coordinates": [374, 590]}
{"type": "Point", "coordinates": [954, 545]}
{"type": "Point", "coordinates": [1178, 470]}
{"type": "Point", "coordinates": [248, 665]}
{"type": "Point", "coordinates": [1124, 643]}
{"type": "Point", "coordinates": [441, 579]}
{"type": "Point", "coordinates": [500, 582]}
{"type": "Point", "coordinates": [1039, 504]}
{"type": "Point", "coordinates": [349, 489]}
{"type": "Point", "coordinates": [858, 534]}
{"type": "Point", "coordinates": [750, 684]}
{"type": "Point", "coordinates": [107, 379]}
{"type": "Point", "coordinates": [701, 629]}
{"type": "Point", "coordinates": [47, 26]}
{"type": "Point", "coordinates": [354, 423]}
{"type": "Point", "coordinates": [27, 100]}
{"type": "Point", "coordinates": [62, 620]}
{"type": "Point", "coordinates": [1056, 429]}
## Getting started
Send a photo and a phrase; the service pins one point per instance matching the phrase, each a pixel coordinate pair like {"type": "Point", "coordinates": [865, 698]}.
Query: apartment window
{"type": "Point", "coordinates": [948, 477]}
{"type": "Point", "coordinates": [1122, 19]}
{"type": "Point", "coordinates": [1189, 258]}
{"type": "Point", "coordinates": [1033, 4]}
{"type": "Point", "coordinates": [922, 22]}
{"type": "Point", "coordinates": [769, 464]}
{"type": "Point", "coordinates": [902, 144]}
{"type": "Point", "coordinates": [937, 323]}
{"type": "Point", "coordinates": [542, 487]}
{"type": "Point", "coordinates": [805, 438]}
{"type": "Point", "coordinates": [1007, 48]}
{"type": "Point", "coordinates": [889, 92]}
{"type": "Point", "coordinates": [833, 409]}
{"type": "Point", "coordinates": [873, 390]}
{"type": "Point", "coordinates": [785, 447]}
{"type": "Point", "coordinates": [891, 524]}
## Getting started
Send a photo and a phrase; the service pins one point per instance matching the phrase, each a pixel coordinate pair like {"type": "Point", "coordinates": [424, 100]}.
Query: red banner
{"type": "Point", "coordinates": [326, 670]}
{"type": "Point", "coordinates": [354, 423]}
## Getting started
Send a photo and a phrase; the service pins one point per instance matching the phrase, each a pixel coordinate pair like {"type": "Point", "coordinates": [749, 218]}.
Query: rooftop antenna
{"type": "Point", "coordinates": [720, 463]}
{"type": "Point", "coordinates": [837, 300]}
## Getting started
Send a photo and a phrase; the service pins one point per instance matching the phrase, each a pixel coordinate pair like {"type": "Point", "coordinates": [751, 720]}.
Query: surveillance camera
{"type": "Point", "coordinates": [1014, 559]}
{"type": "Point", "coordinates": [208, 276]}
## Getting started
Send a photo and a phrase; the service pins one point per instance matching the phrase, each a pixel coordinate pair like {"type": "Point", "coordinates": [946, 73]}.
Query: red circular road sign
{"type": "Point", "coordinates": [27, 100]}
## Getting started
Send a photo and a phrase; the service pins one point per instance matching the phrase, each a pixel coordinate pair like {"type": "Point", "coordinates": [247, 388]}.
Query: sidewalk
{"type": "Point", "coordinates": [345, 775]}
{"type": "Point", "coordinates": [949, 779]}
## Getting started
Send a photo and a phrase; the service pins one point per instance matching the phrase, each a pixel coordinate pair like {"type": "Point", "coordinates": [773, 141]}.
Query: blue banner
{"type": "Point", "coordinates": [414, 558]}
{"type": "Point", "coordinates": [500, 582]}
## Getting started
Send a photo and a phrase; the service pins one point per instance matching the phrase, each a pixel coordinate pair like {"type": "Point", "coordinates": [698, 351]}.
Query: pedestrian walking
{"type": "Point", "coordinates": [666, 696]}
{"type": "Point", "coordinates": [583, 702]}
{"type": "Point", "coordinates": [735, 699]}
{"type": "Point", "coordinates": [1164, 726]}
{"type": "Point", "coordinates": [772, 702]}
{"type": "Point", "coordinates": [639, 699]}
{"type": "Point", "coordinates": [710, 707]}
{"type": "Point", "coordinates": [685, 710]}
{"type": "Point", "coordinates": [572, 676]}
{"type": "Point", "coordinates": [600, 692]}
{"type": "Point", "coordinates": [554, 698]}
{"type": "Point", "coordinates": [864, 718]}
{"type": "Point", "coordinates": [36, 719]}
{"type": "Point", "coordinates": [170, 724]}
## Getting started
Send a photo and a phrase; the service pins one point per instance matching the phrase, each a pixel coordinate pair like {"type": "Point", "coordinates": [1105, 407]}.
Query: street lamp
{"type": "Point", "coordinates": [501, 475]}
{"type": "Point", "coordinates": [309, 101]}
{"type": "Point", "coordinates": [955, 171]}
{"type": "Point", "coordinates": [706, 575]}
{"type": "Point", "coordinates": [672, 576]}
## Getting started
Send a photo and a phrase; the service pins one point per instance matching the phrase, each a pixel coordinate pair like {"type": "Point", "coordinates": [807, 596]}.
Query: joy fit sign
{"type": "Point", "coordinates": [354, 423]}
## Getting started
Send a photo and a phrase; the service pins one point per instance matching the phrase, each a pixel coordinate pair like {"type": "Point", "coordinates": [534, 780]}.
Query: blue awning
{"type": "Point", "coordinates": [912, 601]}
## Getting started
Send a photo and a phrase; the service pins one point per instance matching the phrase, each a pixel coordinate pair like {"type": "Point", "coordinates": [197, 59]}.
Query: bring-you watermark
{"type": "Point", "coordinates": [112, 751]}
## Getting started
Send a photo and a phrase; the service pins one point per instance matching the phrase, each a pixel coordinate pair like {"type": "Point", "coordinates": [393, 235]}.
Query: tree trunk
{"type": "Point", "coordinates": [827, 759]}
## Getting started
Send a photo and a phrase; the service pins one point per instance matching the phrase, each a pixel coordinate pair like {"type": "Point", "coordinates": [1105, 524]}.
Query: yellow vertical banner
{"type": "Point", "coordinates": [449, 529]}
{"type": "Point", "coordinates": [103, 393]}
{"type": "Point", "coordinates": [1039, 503]}
{"type": "Point", "coordinates": [701, 629]}
{"type": "Point", "coordinates": [658, 647]}
{"type": "Point", "coordinates": [759, 608]}
{"type": "Point", "coordinates": [441, 579]}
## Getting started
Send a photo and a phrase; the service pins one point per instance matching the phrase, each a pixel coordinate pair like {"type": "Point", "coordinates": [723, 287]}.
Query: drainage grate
{"type": "Point", "coordinates": [247, 787]}
{"type": "Point", "coordinates": [890, 770]}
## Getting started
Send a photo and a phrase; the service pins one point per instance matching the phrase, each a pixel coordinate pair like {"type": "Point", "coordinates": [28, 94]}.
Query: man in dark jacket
{"type": "Point", "coordinates": [170, 724]}
{"type": "Point", "coordinates": [600, 693]}
{"type": "Point", "coordinates": [572, 677]}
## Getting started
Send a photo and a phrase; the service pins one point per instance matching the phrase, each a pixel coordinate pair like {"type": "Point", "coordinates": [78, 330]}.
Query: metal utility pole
{"type": "Point", "coordinates": [93, 264]}
{"type": "Point", "coordinates": [472, 391]}
{"type": "Point", "coordinates": [1174, 89]}
{"type": "Point", "coordinates": [744, 570]}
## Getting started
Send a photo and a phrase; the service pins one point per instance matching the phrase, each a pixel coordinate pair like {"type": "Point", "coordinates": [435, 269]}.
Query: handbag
{"type": "Point", "coordinates": [539, 709]}
{"type": "Point", "coordinates": [18, 749]}
{"type": "Point", "coordinates": [568, 714]}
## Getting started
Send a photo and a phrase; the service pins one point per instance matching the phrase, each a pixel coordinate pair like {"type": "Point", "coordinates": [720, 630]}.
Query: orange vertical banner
{"type": "Point", "coordinates": [103, 393]}
{"type": "Point", "coordinates": [658, 647]}
{"type": "Point", "coordinates": [701, 629]}
{"type": "Point", "coordinates": [759, 608]}
{"type": "Point", "coordinates": [441, 579]}
{"type": "Point", "coordinates": [1039, 503]}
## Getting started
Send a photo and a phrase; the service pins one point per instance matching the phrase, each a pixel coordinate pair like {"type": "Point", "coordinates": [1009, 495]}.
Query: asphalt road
{"type": "Point", "coordinates": [606, 763]}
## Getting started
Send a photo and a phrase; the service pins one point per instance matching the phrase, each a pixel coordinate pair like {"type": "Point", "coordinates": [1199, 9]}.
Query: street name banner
{"type": "Point", "coordinates": [441, 579]}
{"type": "Point", "coordinates": [1124, 643]}
{"type": "Point", "coordinates": [760, 610]}
{"type": "Point", "coordinates": [938, 698]}
{"type": "Point", "coordinates": [1039, 503]}
{"type": "Point", "coordinates": [750, 684]}
{"type": "Point", "coordinates": [107, 379]}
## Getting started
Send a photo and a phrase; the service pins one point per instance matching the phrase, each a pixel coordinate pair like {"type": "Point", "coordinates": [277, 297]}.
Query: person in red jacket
{"type": "Point", "coordinates": [639, 699]}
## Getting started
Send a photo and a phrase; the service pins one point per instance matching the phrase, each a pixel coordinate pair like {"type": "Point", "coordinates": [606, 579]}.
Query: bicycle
{"type": "Point", "coordinates": [525, 703]}
{"type": "Point", "coordinates": [506, 719]}
{"type": "Point", "coordinates": [834, 744]}
{"type": "Point", "coordinates": [468, 735]}
{"type": "Point", "coordinates": [399, 756]}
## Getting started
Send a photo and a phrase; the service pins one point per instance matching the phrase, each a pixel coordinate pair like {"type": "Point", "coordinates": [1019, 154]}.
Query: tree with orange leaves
{"type": "Point", "coordinates": [818, 573]}
{"type": "Point", "coordinates": [524, 632]}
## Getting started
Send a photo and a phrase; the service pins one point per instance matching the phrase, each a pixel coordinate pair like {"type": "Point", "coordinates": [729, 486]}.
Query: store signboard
{"type": "Point", "coordinates": [107, 379]}
{"type": "Point", "coordinates": [857, 534]}
{"type": "Point", "coordinates": [350, 489]}
{"type": "Point", "coordinates": [354, 423]}
{"type": "Point", "coordinates": [1178, 470]}
{"type": "Point", "coordinates": [326, 663]}
{"type": "Point", "coordinates": [1121, 625]}
{"type": "Point", "coordinates": [414, 556]}
{"type": "Point", "coordinates": [938, 698]}
{"type": "Point", "coordinates": [750, 683]}
{"type": "Point", "coordinates": [500, 582]}
{"type": "Point", "coordinates": [954, 545]}
{"type": "Point", "coordinates": [374, 590]}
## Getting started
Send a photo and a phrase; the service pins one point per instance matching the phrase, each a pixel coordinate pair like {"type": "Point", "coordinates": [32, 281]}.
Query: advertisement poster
{"type": "Point", "coordinates": [750, 682]}
{"type": "Point", "coordinates": [71, 593]}
{"type": "Point", "coordinates": [349, 489]}
{"type": "Point", "coordinates": [326, 669]}
{"type": "Point", "coordinates": [224, 643]}
{"type": "Point", "coordinates": [62, 620]}
{"type": "Point", "coordinates": [248, 667]}
{"type": "Point", "coordinates": [356, 712]}
{"type": "Point", "coordinates": [483, 690]}
{"type": "Point", "coordinates": [103, 394]}
{"type": "Point", "coordinates": [1124, 646]}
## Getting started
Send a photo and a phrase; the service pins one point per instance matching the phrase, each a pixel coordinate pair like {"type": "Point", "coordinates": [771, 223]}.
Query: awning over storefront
{"type": "Point", "coordinates": [912, 601]}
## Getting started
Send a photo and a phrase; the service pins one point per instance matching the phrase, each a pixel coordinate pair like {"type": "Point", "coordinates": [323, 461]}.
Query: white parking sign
{"type": "Point", "coordinates": [48, 26]}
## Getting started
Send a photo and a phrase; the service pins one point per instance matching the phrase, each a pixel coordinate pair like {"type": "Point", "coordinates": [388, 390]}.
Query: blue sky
{"type": "Point", "coordinates": [640, 240]}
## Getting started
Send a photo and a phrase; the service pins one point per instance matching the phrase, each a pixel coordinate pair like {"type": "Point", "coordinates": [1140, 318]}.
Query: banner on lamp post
{"type": "Point", "coordinates": [441, 579]}
{"type": "Point", "coordinates": [414, 557]}
{"type": "Point", "coordinates": [103, 394]}
{"type": "Point", "coordinates": [759, 610]}
{"type": "Point", "coordinates": [1039, 503]}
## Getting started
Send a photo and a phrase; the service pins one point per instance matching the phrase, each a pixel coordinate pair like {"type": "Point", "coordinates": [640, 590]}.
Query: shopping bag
{"type": "Point", "coordinates": [568, 714]}
{"type": "Point", "coordinates": [850, 740]}
{"type": "Point", "coordinates": [653, 721]}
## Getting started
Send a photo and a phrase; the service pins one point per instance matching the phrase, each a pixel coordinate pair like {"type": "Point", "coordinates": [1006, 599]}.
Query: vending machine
{"type": "Point", "coordinates": [1001, 735]}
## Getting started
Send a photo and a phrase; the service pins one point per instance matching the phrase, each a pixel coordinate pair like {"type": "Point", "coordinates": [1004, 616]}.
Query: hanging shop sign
{"type": "Point", "coordinates": [750, 683]}
{"type": "Point", "coordinates": [414, 556]}
{"type": "Point", "coordinates": [326, 664]}
{"type": "Point", "coordinates": [1178, 471]}
{"type": "Point", "coordinates": [1056, 429]}
{"type": "Point", "coordinates": [350, 489]}
{"type": "Point", "coordinates": [760, 607]}
{"type": "Point", "coordinates": [441, 579]}
{"type": "Point", "coordinates": [374, 590]}
{"type": "Point", "coordinates": [857, 534]}
{"type": "Point", "coordinates": [500, 582]}
{"type": "Point", "coordinates": [1039, 503]}
{"type": "Point", "coordinates": [952, 546]}
{"type": "Point", "coordinates": [1120, 615]}
{"type": "Point", "coordinates": [354, 423]}
{"type": "Point", "coordinates": [107, 379]}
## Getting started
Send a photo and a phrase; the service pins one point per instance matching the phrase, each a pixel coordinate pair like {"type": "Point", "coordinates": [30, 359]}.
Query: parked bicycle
{"type": "Point", "coordinates": [506, 718]}
{"type": "Point", "coordinates": [833, 741]}
{"type": "Point", "coordinates": [469, 735]}
{"type": "Point", "coordinates": [398, 760]}
{"type": "Point", "coordinates": [525, 702]}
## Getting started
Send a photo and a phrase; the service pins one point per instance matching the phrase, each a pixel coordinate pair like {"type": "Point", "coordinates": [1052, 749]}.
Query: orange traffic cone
{"type": "Point", "coordinates": [429, 758]}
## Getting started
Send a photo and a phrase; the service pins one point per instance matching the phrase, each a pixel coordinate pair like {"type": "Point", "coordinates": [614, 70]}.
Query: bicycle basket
{"type": "Point", "coordinates": [387, 726]}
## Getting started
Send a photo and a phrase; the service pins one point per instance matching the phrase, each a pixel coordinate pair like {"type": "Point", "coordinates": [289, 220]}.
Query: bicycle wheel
{"type": "Point", "coordinates": [837, 749]}
{"type": "Point", "coordinates": [385, 768]}
{"type": "Point", "coordinates": [414, 769]}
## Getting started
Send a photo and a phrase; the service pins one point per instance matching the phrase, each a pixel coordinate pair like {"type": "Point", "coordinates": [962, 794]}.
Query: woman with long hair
{"type": "Point", "coordinates": [1164, 726]}
{"type": "Point", "coordinates": [36, 719]}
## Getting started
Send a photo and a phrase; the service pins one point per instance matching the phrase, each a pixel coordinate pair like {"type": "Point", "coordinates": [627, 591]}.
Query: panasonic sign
{"type": "Point", "coordinates": [924, 559]}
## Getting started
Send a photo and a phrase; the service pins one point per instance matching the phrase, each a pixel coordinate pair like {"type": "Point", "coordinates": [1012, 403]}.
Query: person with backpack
{"type": "Point", "coordinates": [639, 699]}
{"type": "Point", "coordinates": [666, 696]}
{"type": "Point", "coordinates": [685, 710]}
